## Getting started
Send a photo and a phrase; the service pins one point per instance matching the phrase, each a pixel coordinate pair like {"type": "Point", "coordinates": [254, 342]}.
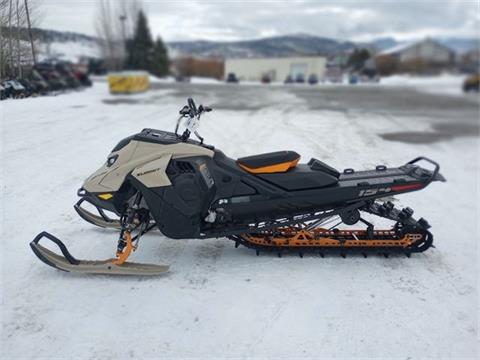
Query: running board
{"type": "Point", "coordinates": [70, 264]}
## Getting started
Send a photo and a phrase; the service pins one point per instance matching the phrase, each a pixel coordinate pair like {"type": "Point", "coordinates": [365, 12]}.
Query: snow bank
{"type": "Point", "coordinates": [446, 84]}
{"type": "Point", "coordinates": [205, 80]}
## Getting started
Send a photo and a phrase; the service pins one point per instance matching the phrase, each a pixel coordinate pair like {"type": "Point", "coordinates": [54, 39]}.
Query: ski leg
{"type": "Point", "coordinates": [125, 251]}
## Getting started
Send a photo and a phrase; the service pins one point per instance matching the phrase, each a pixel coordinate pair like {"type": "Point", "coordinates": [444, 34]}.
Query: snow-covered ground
{"type": "Point", "coordinates": [449, 84]}
{"type": "Point", "coordinates": [444, 84]}
{"type": "Point", "coordinates": [218, 301]}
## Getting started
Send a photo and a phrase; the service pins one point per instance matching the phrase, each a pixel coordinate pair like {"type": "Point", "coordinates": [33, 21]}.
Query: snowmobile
{"type": "Point", "coordinates": [268, 202]}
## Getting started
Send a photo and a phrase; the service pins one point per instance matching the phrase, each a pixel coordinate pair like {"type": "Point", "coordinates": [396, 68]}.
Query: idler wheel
{"type": "Point", "coordinates": [350, 217]}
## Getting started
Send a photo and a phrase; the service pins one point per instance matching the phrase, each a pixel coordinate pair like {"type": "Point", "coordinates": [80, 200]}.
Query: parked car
{"type": "Point", "coordinates": [266, 79]}
{"type": "Point", "coordinates": [232, 78]}
{"type": "Point", "coordinates": [288, 80]}
{"type": "Point", "coordinates": [182, 78]}
{"type": "Point", "coordinates": [30, 88]}
{"type": "Point", "coordinates": [2, 92]}
{"type": "Point", "coordinates": [66, 72]}
{"type": "Point", "coordinates": [353, 79]}
{"type": "Point", "coordinates": [40, 81]}
{"type": "Point", "coordinates": [54, 79]}
{"type": "Point", "coordinates": [472, 83]}
{"type": "Point", "coordinates": [83, 78]}
{"type": "Point", "coordinates": [313, 79]}
{"type": "Point", "coordinates": [13, 89]}
{"type": "Point", "coordinates": [300, 79]}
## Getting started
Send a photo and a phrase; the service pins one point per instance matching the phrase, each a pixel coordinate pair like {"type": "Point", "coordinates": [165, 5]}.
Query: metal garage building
{"type": "Point", "coordinates": [426, 50]}
{"type": "Point", "coordinates": [276, 68]}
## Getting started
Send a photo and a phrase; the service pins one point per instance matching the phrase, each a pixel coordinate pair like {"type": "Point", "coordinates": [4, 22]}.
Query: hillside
{"type": "Point", "coordinates": [71, 46]}
{"type": "Point", "coordinates": [288, 45]}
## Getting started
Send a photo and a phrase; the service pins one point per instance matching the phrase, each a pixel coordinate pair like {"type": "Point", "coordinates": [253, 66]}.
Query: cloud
{"type": "Point", "coordinates": [240, 20]}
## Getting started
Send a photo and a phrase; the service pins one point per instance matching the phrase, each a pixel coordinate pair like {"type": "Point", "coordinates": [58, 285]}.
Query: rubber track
{"type": "Point", "coordinates": [423, 245]}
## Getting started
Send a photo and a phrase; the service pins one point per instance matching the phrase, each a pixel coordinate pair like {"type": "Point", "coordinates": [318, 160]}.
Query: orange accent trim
{"type": "Point", "coordinates": [123, 256]}
{"type": "Point", "coordinates": [276, 168]}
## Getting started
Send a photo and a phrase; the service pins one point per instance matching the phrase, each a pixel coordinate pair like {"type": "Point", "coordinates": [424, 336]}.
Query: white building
{"type": "Point", "coordinates": [276, 68]}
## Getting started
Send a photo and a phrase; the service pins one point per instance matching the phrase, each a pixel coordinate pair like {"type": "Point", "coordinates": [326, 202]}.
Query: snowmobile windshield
{"type": "Point", "coordinates": [123, 143]}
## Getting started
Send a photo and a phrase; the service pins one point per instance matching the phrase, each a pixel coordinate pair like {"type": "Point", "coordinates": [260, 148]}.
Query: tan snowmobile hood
{"type": "Point", "coordinates": [147, 162]}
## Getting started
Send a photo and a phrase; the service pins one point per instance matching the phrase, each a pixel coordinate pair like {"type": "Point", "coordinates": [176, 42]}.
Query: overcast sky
{"type": "Point", "coordinates": [240, 20]}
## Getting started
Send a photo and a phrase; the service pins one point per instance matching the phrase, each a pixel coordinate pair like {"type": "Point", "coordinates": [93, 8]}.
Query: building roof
{"type": "Point", "coordinates": [400, 47]}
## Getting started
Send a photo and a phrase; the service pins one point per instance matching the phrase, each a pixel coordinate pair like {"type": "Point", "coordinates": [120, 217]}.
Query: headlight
{"type": "Point", "coordinates": [111, 160]}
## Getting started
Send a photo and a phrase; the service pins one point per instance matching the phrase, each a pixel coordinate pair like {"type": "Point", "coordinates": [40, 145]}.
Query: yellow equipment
{"type": "Point", "coordinates": [128, 82]}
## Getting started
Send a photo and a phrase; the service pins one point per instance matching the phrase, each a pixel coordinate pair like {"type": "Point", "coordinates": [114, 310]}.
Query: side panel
{"type": "Point", "coordinates": [133, 155]}
{"type": "Point", "coordinates": [153, 173]}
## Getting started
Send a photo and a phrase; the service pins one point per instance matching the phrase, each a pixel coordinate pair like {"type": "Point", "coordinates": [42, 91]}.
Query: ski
{"type": "Point", "coordinates": [66, 262]}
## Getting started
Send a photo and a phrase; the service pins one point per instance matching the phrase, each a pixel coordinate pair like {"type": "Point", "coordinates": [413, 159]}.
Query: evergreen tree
{"type": "Point", "coordinates": [160, 63]}
{"type": "Point", "coordinates": [140, 47]}
{"type": "Point", "coordinates": [143, 53]}
{"type": "Point", "coordinates": [357, 58]}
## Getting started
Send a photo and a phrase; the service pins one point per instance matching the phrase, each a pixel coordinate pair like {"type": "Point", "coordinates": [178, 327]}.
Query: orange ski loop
{"type": "Point", "coordinates": [123, 256]}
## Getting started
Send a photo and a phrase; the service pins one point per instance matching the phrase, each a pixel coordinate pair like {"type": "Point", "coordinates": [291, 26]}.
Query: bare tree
{"type": "Point", "coordinates": [10, 35]}
{"type": "Point", "coordinates": [30, 37]}
{"type": "Point", "coordinates": [16, 51]}
{"type": "Point", "coordinates": [115, 23]}
{"type": "Point", "coordinates": [19, 55]}
{"type": "Point", "coordinates": [4, 4]}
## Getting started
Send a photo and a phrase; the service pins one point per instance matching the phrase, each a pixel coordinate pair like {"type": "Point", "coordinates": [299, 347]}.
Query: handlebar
{"type": "Point", "coordinates": [193, 113]}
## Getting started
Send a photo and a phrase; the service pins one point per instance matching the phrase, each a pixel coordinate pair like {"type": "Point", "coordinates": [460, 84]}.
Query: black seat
{"type": "Point", "coordinates": [274, 162]}
{"type": "Point", "coordinates": [315, 174]}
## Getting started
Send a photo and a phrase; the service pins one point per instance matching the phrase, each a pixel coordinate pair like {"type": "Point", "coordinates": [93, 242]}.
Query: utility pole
{"type": "Point", "coordinates": [10, 39]}
{"type": "Point", "coordinates": [30, 33]}
{"type": "Point", "coordinates": [124, 40]}
{"type": "Point", "coordinates": [19, 50]}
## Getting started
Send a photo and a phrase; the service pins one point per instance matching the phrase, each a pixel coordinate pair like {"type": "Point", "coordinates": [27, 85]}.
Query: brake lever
{"type": "Point", "coordinates": [185, 110]}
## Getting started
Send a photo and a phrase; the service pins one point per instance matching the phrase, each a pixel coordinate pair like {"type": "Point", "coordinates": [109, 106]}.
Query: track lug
{"type": "Point", "coordinates": [322, 255]}
{"type": "Point", "coordinates": [386, 255]}
{"type": "Point", "coordinates": [237, 244]}
{"type": "Point", "coordinates": [343, 255]}
{"type": "Point", "coordinates": [300, 254]}
{"type": "Point", "coordinates": [257, 252]}
{"type": "Point", "coordinates": [407, 254]}
{"type": "Point", "coordinates": [279, 254]}
{"type": "Point", "coordinates": [364, 255]}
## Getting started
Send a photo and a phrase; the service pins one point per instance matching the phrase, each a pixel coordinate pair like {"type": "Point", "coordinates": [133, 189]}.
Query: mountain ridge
{"type": "Point", "coordinates": [300, 44]}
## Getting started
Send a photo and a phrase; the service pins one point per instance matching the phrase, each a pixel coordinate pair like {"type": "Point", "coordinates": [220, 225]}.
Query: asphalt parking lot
{"type": "Point", "coordinates": [448, 116]}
